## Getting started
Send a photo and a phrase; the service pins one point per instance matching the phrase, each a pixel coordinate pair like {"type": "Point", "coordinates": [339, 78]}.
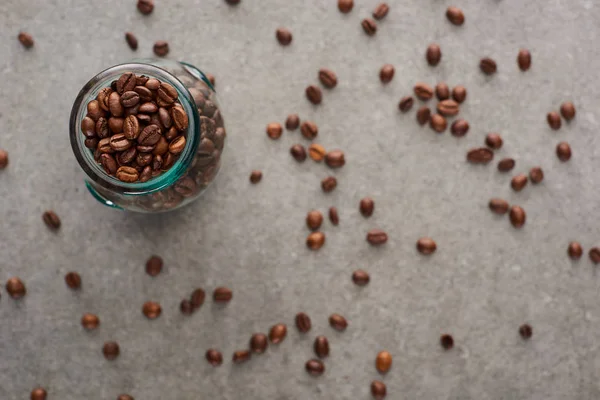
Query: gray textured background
{"type": "Point", "coordinates": [484, 281]}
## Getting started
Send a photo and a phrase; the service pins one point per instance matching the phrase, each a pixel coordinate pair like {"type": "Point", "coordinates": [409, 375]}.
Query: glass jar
{"type": "Point", "coordinates": [198, 163]}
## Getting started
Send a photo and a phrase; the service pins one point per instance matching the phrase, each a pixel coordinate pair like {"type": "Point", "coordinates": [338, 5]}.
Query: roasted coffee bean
{"type": "Point", "coordinates": [297, 151]}
{"type": "Point", "coordinates": [517, 216]}
{"type": "Point", "coordinates": [172, 134]}
{"type": "Point", "coordinates": [149, 136]}
{"type": "Point", "coordinates": [104, 146]}
{"type": "Point", "coordinates": [145, 97]}
{"type": "Point", "coordinates": [335, 159]}
{"type": "Point", "coordinates": [506, 164]}
{"type": "Point", "coordinates": [119, 142]}
{"type": "Point", "coordinates": [381, 11]}
{"type": "Point", "coordinates": [518, 182]}
{"type": "Point", "coordinates": [321, 346]}
{"type": "Point", "coordinates": [222, 295]}
{"type": "Point", "coordinates": [314, 95]}
{"type": "Point", "coordinates": [114, 105]}
{"type": "Point", "coordinates": [292, 122]}
{"type": "Point", "coordinates": [333, 216]}
{"type": "Point", "coordinates": [563, 151]}
{"type": "Point", "coordinates": [259, 343]}
{"type": "Point", "coordinates": [366, 206]}
{"type": "Point", "coordinates": [386, 73]}
{"type": "Point", "coordinates": [88, 127]}
{"type": "Point", "coordinates": [38, 394]}
{"type": "Point", "coordinates": [157, 162]}
{"type": "Point", "coordinates": [438, 123]}
{"type": "Point", "coordinates": [177, 145]}
{"type": "Point", "coordinates": [455, 16]}
{"type": "Point", "coordinates": [448, 108]}
{"type": "Point", "coordinates": [26, 40]}
{"type": "Point", "coordinates": [406, 104]}
{"type": "Point", "coordinates": [314, 219]}
{"type": "Point", "coordinates": [383, 362]}
{"type": "Point", "coordinates": [423, 115]}
{"type": "Point", "coordinates": [111, 350]}
{"type": "Point", "coordinates": [167, 93]}
{"type": "Point", "coordinates": [146, 174]}
{"type": "Point", "coordinates": [480, 155]}
{"type": "Point", "coordinates": [180, 118]}
{"type": "Point", "coordinates": [214, 357]}
{"type": "Point", "coordinates": [144, 118]}
{"type": "Point", "coordinates": [154, 265]}
{"type": "Point", "coordinates": [145, 149]}
{"type": "Point", "coordinates": [152, 84]}
{"type": "Point", "coordinates": [94, 111]}
{"type": "Point", "coordinates": [329, 184]}
{"type": "Point", "coordinates": [360, 277]}
{"type": "Point", "coordinates": [345, 6]}
{"type": "Point", "coordinates": [274, 130]}
{"type": "Point", "coordinates": [232, 2]}
{"type": "Point", "coordinates": [316, 152]}
{"type": "Point", "coordinates": [132, 110]}
{"type": "Point", "coordinates": [116, 125]}
{"type": "Point", "coordinates": [426, 245]}
{"type": "Point", "coordinates": [130, 99]}
{"type": "Point", "coordinates": [163, 146]}
{"type": "Point", "coordinates": [498, 206]}
{"type": "Point", "coordinates": [284, 36]}
{"type": "Point", "coordinates": [369, 26]}
{"type": "Point", "coordinates": [90, 321]}
{"type": "Point", "coordinates": [378, 390]}
{"type": "Point", "coordinates": [151, 310]}
{"type": "Point", "coordinates": [459, 94]}
{"type": "Point", "coordinates": [433, 54]}
{"type": "Point", "coordinates": [493, 141]}
{"type": "Point", "coordinates": [554, 120]}
{"type": "Point", "coordinates": [536, 175]}
{"type": "Point", "coordinates": [303, 322]}
{"type": "Point", "coordinates": [125, 397]}
{"type": "Point", "coordinates": [51, 220]}
{"type": "Point", "coordinates": [442, 91]}
{"type": "Point", "coordinates": [315, 240]}
{"type": "Point", "coordinates": [567, 110]}
{"type": "Point", "coordinates": [127, 157]}
{"type": "Point", "coordinates": [73, 280]}
{"type": "Point", "coordinates": [315, 367]}
{"type": "Point", "coordinates": [165, 117]}
{"type": "Point", "coordinates": [4, 158]}
{"type": "Point", "coordinates": [309, 130]}
{"type": "Point", "coordinates": [446, 341]}
{"type": "Point", "coordinates": [108, 163]}
{"type": "Point", "coordinates": [15, 288]}
{"type": "Point", "coordinates": [127, 174]}
{"type": "Point", "coordinates": [377, 237]}
{"type": "Point", "coordinates": [168, 161]}
{"type": "Point", "coordinates": [102, 98]}
{"type": "Point", "coordinates": [140, 80]}
{"type": "Point", "coordinates": [145, 6]}
{"type": "Point", "coordinates": [488, 66]}
{"type": "Point", "coordinates": [131, 127]}
{"type": "Point", "coordinates": [575, 251]}
{"type": "Point", "coordinates": [186, 307]}
{"type": "Point", "coordinates": [131, 40]}
{"type": "Point", "coordinates": [197, 298]}
{"type": "Point", "coordinates": [161, 48]}
{"type": "Point", "coordinates": [459, 128]}
{"type": "Point", "coordinates": [126, 82]}
{"type": "Point", "coordinates": [328, 78]}
{"type": "Point", "coordinates": [423, 91]}
{"type": "Point", "coordinates": [277, 333]}
{"type": "Point", "coordinates": [338, 322]}
{"type": "Point", "coordinates": [526, 331]}
{"type": "Point", "coordinates": [255, 176]}
{"type": "Point", "coordinates": [524, 59]}
{"type": "Point", "coordinates": [594, 255]}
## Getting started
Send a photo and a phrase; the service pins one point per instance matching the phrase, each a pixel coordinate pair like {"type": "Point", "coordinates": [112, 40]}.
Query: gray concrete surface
{"type": "Point", "coordinates": [484, 281]}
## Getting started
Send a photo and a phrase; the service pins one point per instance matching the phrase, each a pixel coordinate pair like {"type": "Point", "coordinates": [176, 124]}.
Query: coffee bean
{"type": "Point", "coordinates": [377, 237]}
{"type": "Point", "coordinates": [309, 130]}
{"type": "Point", "coordinates": [315, 367]}
{"type": "Point", "coordinates": [316, 152]}
{"type": "Point", "coordinates": [303, 322]}
{"type": "Point", "coordinates": [165, 118]}
{"type": "Point", "coordinates": [567, 110]}
{"type": "Point", "coordinates": [329, 184]}
{"type": "Point", "coordinates": [493, 141]}
{"type": "Point", "coordinates": [154, 265]}
{"type": "Point", "coordinates": [488, 66]}
{"type": "Point", "coordinates": [104, 146]}
{"type": "Point", "coordinates": [297, 151]}
{"type": "Point", "coordinates": [108, 163]}
{"type": "Point", "coordinates": [177, 145]}
{"type": "Point", "coordinates": [314, 95]}
{"type": "Point", "coordinates": [3, 159]}
{"type": "Point", "coordinates": [448, 108]}
{"type": "Point", "coordinates": [232, 2]}
{"type": "Point", "coordinates": [321, 346]}
{"type": "Point", "coordinates": [131, 127]}
{"type": "Point", "coordinates": [284, 36]}
{"type": "Point", "coordinates": [369, 26]}
{"type": "Point", "coordinates": [335, 159]}
{"type": "Point", "coordinates": [423, 115]}
{"type": "Point", "coordinates": [274, 130]}
{"type": "Point", "coordinates": [366, 206]}
{"type": "Point", "coordinates": [314, 219]}
{"type": "Point", "coordinates": [167, 94]}
{"type": "Point", "coordinates": [442, 91]}
{"type": "Point", "coordinates": [255, 177]}
{"type": "Point", "coordinates": [51, 220]}
{"type": "Point", "coordinates": [315, 240]}
{"type": "Point", "coordinates": [38, 394]}
{"type": "Point", "coordinates": [455, 16]}
{"type": "Point", "coordinates": [518, 182]}
{"type": "Point", "coordinates": [383, 362]}
{"type": "Point", "coordinates": [131, 40]}
{"type": "Point", "coordinates": [146, 96]}
{"type": "Point", "coordinates": [125, 397]}
{"type": "Point", "coordinates": [116, 125]}
{"type": "Point", "coordinates": [433, 54]}
{"type": "Point", "coordinates": [119, 142]}
{"type": "Point", "coordinates": [333, 216]}
{"type": "Point", "coordinates": [26, 40]}
{"type": "Point", "coordinates": [378, 390]}
{"type": "Point", "coordinates": [142, 159]}
{"type": "Point", "coordinates": [406, 104]}
{"type": "Point", "coordinates": [554, 120]}
{"type": "Point", "coordinates": [292, 122]}
{"type": "Point", "coordinates": [111, 350]}
{"type": "Point", "coordinates": [88, 127]}
{"type": "Point", "coordinates": [146, 174]}
{"type": "Point", "coordinates": [73, 280]}
{"type": "Point", "coordinates": [259, 343]}
{"type": "Point", "coordinates": [446, 341]}
{"type": "Point", "coordinates": [594, 255]}
{"type": "Point", "coordinates": [197, 298]}
{"type": "Point", "coordinates": [114, 105]}
{"type": "Point", "coordinates": [152, 84]}
{"type": "Point", "coordinates": [459, 94]}
{"type": "Point", "coordinates": [15, 288]}
{"type": "Point", "coordinates": [102, 128]}
{"type": "Point", "coordinates": [524, 59]}
{"type": "Point", "coordinates": [438, 123]}
{"type": "Point", "coordinates": [161, 48]}
{"type": "Point", "coordinates": [102, 98]}
{"type": "Point", "coordinates": [328, 78]}
{"type": "Point", "coordinates": [126, 82]}
{"type": "Point", "coordinates": [386, 73]}
{"type": "Point", "coordinates": [381, 11]}
{"type": "Point", "coordinates": [222, 295]}
{"type": "Point", "coordinates": [214, 357]}
{"type": "Point", "coordinates": [575, 251]}
{"type": "Point", "coordinates": [151, 310]}
{"type": "Point", "coordinates": [459, 128]}
{"type": "Point", "coordinates": [149, 136]}
{"type": "Point", "coordinates": [127, 174]}
{"type": "Point", "coordinates": [526, 331]}
{"type": "Point", "coordinates": [426, 245]}
{"type": "Point", "coordinates": [506, 164]}
{"type": "Point", "coordinates": [186, 307]}
{"type": "Point", "coordinates": [90, 321]}
{"type": "Point", "coordinates": [277, 333]}
{"type": "Point", "coordinates": [94, 111]}
{"type": "Point", "coordinates": [338, 322]}
{"type": "Point", "coordinates": [536, 175]}
{"type": "Point", "coordinates": [157, 162]}
{"type": "Point", "coordinates": [480, 155]}
{"type": "Point", "coordinates": [517, 216]}
{"type": "Point", "coordinates": [498, 206]}
{"type": "Point", "coordinates": [345, 6]}
{"type": "Point", "coordinates": [92, 143]}
{"type": "Point", "coordinates": [145, 6]}
{"type": "Point", "coordinates": [563, 151]}
{"type": "Point", "coordinates": [423, 91]}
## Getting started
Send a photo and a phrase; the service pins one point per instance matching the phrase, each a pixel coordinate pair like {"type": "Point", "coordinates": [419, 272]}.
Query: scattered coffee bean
{"type": "Point", "coordinates": [526, 331]}
{"type": "Point", "coordinates": [554, 121]}
{"type": "Point", "coordinates": [459, 128]}
{"type": "Point", "coordinates": [292, 122]}
{"type": "Point", "coordinates": [536, 175]}
{"type": "Point", "coordinates": [369, 26]}
{"type": "Point", "coordinates": [488, 66]}
{"type": "Point", "coordinates": [151, 310]}
{"type": "Point", "coordinates": [563, 151]}
{"type": "Point", "coordinates": [377, 237]}
{"type": "Point", "coordinates": [524, 59]}
{"type": "Point", "coordinates": [315, 240]}
{"type": "Point", "coordinates": [277, 333]}
{"type": "Point", "coordinates": [406, 104]}
{"type": "Point", "coordinates": [145, 6]}
{"type": "Point", "coordinates": [314, 95]}
{"type": "Point", "coordinates": [131, 40]}
{"type": "Point", "coordinates": [111, 350]}
{"type": "Point", "coordinates": [197, 298]}
{"type": "Point", "coordinates": [274, 130]}
{"type": "Point", "coordinates": [378, 390]}
{"type": "Point", "coordinates": [517, 216]}
{"type": "Point", "coordinates": [309, 130]}
{"type": "Point", "coordinates": [328, 78]}
{"type": "Point", "coordinates": [448, 108]}
{"type": "Point", "coordinates": [329, 184]}
{"type": "Point", "coordinates": [446, 341]}
{"type": "Point", "coordinates": [366, 206]}
{"type": "Point", "coordinates": [518, 182]}
{"type": "Point", "coordinates": [125, 397]}
{"type": "Point", "coordinates": [360, 277]}
{"type": "Point", "coordinates": [186, 307]}
{"type": "Point", "coordinates": [594, 255]}
{"type": "Point", "coordinates": [259, 343]}
{"type": "Point", "coordinates": [333, 216]}
{"type": "Point", "coordinates": [575, 251]}
{"type": "Point", "coordinates": [26, 39]}
{"type": "Point", "coordinates": [338, 322]}
{"type": "Point", "coordinates": [506, 164]}
{"type": "Point", "coordinates": [255, 177]}
{"type": "Point", "coordinates": [433, 54]}
{"type": "Point", "coordinates": [314, 219]}
{"type": "Point", "coordinates": [154, 265]}
{"type": "Point", "coordinates": [315, 367]}
{"type": "Point", "coordinates": [423, 115]}
{"type": "Point", "coordinates": [383, 362]}
{"type": "Point", "coordinates": [90, 321]}
{"type": "Point", "coordinates": [498, 206]}
{"type": "Point", "coordinates": [284, 36]}
{"type": "Point", "coordinates": [73, 280]}
{"type": "Point", "coordinates": [233, 2]}
{"type": "Point", "coordinates": [335, 159]}
{"type": "Point", "coordinates": [438, 123]}
{"type": "Point", "coordinates": [381, 11]}
{"type": "Point", "coordinates": [15, 288]}
{"type": "Point", "coordinates": [426, 245]}
{"type": "Point", "coordinates": [455, 16]}
{"type": "Point", "coordinates": [480, 155]}
{"type": "Point", "coordinates": [316, 152]}
{"type": "Point", "coordinates": [459, 94]}
{"type": "Point", "coordinates": [161, 48]}
{"type": "Point", "coordinates": [321, 346]}
{"type": "Point", "coordinates": [345, 6]}
{"type": "Point", "coordinates": [567, 110]}
{"type": "Point", "coordinates": [214, 357]}
{"type": "Point", "coordinates": [38, 394]}
{"type": "Point", "coordinates": [297, 151]}
{"type": "Point", "coordinates": [222, 295]}
{"type": "Point", "coordinates": [442, 91]}
{"type": "Point", "coordinates": [303, 322]}
{"type": "Point", "coordinates": [241, 356]}
{"type": "Point", "coordinates": [386, 73]}
{"type": "Point", "coordinates": [3, 159]}
{"type": "Point", "coordinates": [423, 91]}
{"type": "Point", "coordinates": [51, 220]}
